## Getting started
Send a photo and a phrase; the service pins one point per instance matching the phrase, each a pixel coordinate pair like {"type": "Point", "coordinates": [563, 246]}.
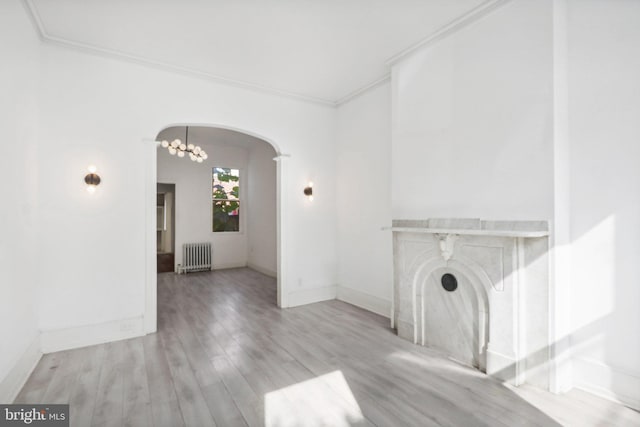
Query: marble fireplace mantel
{"type": "Point", "coordinates": [497, 317]}
{"type": "Point", "coordinates": [473, 232]}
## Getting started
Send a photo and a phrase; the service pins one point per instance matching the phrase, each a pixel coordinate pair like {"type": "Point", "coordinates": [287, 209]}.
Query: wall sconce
{"type": "Point", "coordinates": [308, 191]}
{"type": "Point", "coordinates": [92, 179]}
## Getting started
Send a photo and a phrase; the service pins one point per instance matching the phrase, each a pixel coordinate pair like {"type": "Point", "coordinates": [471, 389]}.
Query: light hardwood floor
{"type": "Point", "coordinates": [225, 355]}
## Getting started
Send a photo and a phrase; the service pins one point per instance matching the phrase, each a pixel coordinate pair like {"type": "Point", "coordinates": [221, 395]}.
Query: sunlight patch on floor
{"type": "Point", "coordinates": [326, 400]}
{"type": "Point", "coordinates": [445, 365]}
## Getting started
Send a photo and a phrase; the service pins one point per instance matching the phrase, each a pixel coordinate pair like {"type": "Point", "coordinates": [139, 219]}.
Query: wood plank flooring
{"type": "Point", "coordinates": [225, 355]}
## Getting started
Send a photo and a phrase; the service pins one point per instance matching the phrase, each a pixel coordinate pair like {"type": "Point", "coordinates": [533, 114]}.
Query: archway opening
{"type": "Point", "coordinates": [230, 201]}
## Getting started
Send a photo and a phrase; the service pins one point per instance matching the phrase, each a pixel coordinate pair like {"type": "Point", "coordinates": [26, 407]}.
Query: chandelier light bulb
{"type": "Point", "coordinates": [195, 152]}
{"type": "Point", "coordinates": [92, 169]}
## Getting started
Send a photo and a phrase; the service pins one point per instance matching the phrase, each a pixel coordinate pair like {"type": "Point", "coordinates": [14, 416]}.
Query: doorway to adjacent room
{"type": "Point", "coordinates": [165, 227]}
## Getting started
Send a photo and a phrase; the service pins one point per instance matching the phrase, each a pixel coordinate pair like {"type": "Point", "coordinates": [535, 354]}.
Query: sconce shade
{"type": "Point", "coordinates": [92, 179]}
{"type": "Point", "coordinates": [308, 191]}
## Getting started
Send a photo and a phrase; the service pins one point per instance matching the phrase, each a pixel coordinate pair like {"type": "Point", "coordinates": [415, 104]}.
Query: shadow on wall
{"type": "Point", "coordinates": [596, 307]}
{"type": "Point", "coordinates": [595, 310]}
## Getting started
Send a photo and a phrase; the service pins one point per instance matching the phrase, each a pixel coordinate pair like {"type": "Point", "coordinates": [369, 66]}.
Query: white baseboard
{"type": "Point", "coordinates": [262, 270]}
{"type": "Point", "coordinates": [606, 381]}
{"type": "Point", "coordinates": [366, 301]}
{"type": "Point", "coordinates": [83, 336]}
{"type": "Point", "coordinates": [11, 385]}
{"type": "Point", "coordinates": [309, 296]}
{"type": "Point", "coordinates": [226, 265]}
{"type": "Point", "coordinates": [501, 366]}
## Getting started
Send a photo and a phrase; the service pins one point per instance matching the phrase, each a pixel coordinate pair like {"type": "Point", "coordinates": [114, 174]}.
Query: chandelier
{"type": "Point", "coordinates": [177, 147]}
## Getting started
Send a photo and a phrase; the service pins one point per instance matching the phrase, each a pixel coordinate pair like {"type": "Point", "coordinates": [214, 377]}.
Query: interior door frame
{"type": "Point", "coordinates": [150, 147]}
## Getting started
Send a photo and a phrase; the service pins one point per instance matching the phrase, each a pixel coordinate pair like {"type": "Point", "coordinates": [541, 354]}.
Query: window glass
{"type": "Point", "coordinates": [226, 199]}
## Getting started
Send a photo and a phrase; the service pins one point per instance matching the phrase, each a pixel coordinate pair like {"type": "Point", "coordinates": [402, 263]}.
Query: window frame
{"type": "Point", "coordinates": [241, 201]}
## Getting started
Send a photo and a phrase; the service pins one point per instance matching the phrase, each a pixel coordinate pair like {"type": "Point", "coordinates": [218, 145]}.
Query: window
{"type": "Point", "coordinates": [226, 199]}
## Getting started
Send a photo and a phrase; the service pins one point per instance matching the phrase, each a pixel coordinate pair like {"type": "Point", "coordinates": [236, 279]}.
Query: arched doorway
{"type": "Point", "coordinates": [229, 137]}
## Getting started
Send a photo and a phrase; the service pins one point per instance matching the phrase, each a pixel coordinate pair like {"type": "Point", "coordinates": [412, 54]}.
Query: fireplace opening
{"type": "Point", "coordinates": [449, 282]}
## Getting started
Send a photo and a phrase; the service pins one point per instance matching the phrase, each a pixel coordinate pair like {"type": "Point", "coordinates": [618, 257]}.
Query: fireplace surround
{"type": "Point", "coordinates": [477, 291]}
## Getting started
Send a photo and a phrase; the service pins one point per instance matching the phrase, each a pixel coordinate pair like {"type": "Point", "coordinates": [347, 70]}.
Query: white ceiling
{"type": "Point", "coordinates": [318, 49]}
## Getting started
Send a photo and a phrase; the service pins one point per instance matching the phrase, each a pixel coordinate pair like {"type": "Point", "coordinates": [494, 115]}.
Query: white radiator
{"type": "Point", "coordinates": [195, 257]}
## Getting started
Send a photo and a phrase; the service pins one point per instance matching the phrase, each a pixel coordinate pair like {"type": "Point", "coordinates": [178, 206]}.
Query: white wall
{"type": "Point", "coordinates": [18, 193]}
{"type": "Point", "coordinates": [261, 213]}
{"type": "Point", "coordinates": [193, 199]}
{"type": "Point", "coordinates": [473, 137]}
{"type": "Point", "coordinates": [472, 121]}
{"type": "Point", "coordinates": [604, 112]}
{"type": "Point", "coordinates": [365, 266]}
{"type": "Point", "coordinates": [98, 110]}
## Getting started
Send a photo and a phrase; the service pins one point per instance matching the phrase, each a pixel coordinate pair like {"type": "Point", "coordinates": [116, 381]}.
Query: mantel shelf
{"type": "Point", "coordinates": [471, 232]}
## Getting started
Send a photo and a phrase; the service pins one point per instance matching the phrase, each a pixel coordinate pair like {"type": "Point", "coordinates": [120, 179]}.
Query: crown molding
{"type": "Point", "coordinates": [141, 60]}
{"type": "Point", "coordinates": [452, 27]}
{"type": "Point", "coordinates": [356, 93]}
{"type": "Point", "coordinates": [34, 17]}
{"type": "Point", "coordinates": [442, 33]}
